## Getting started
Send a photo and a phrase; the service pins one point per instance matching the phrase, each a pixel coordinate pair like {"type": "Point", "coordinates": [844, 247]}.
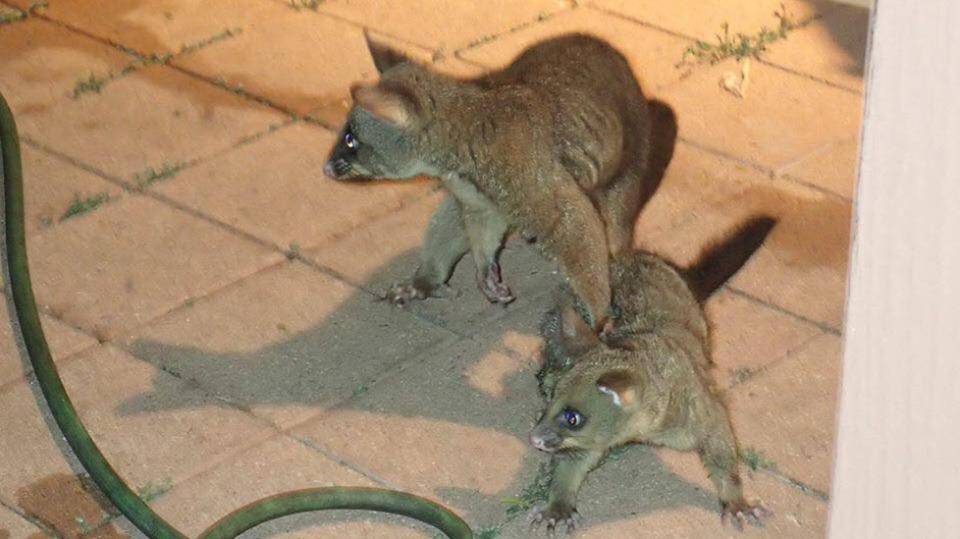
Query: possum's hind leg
{"type": "Point", "coordinates": [444, 245]}
{"type": "Point", "coordinates": [486, 229]}
{"type": "Point", "coordinates": [619, 205]}
{"type": "Point", "coordinates": [718, 452]}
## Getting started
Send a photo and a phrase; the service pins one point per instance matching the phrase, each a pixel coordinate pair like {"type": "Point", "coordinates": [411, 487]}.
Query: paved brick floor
{"type": "Point", "coordinates": [215, 316]}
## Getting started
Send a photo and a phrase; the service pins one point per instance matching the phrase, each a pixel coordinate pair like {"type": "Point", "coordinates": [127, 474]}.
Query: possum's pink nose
{"type": "Point", "coordinates": [328, 169]}
{"type": "Point", "coordinates": [540, 443]}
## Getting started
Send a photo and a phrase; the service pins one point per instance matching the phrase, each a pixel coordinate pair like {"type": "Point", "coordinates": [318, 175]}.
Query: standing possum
{"type": "Point", "coordinates": [646, 382]}
{"type": "Point", "coordinates": [554, 146]}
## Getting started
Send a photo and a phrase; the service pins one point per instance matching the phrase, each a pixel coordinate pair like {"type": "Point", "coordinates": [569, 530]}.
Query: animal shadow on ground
{"type": "Point", "coordinates": [456, 371]}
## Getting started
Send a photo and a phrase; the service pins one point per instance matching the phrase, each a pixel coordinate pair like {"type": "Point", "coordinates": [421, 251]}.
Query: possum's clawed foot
{"type": "Point", "coordinates": [555, 515]}
{"type": "Point", "coordinates": [401, 294]}
{"type": "Point", "coordinates": [739, 512]}
{"type": "Point", "coordinates": [492, 286]}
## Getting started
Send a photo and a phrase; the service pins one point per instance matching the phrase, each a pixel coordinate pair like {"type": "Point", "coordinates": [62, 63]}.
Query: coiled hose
{"type": "Point", "coordinates": [127, 501]}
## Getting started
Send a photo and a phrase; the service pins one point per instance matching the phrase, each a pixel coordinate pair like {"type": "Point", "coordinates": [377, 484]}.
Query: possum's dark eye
{"type": "Point", "coordinates": [350, 140]}
{"type": "Point", "coordinates": [572, 419]}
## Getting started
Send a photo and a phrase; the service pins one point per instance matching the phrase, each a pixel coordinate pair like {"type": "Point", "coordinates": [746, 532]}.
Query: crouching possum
{"type": "Point", "coordinates": [647, 381]}
{"type": "Point", "coordinates": [554, 146]}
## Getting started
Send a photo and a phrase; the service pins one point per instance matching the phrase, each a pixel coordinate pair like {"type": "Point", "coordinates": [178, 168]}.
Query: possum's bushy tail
{"type": "Point", "coordinates": [722, 259]}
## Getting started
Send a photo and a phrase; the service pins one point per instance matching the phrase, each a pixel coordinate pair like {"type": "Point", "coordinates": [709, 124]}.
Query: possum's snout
{"type": "Point", "coordinates": [545, 441]}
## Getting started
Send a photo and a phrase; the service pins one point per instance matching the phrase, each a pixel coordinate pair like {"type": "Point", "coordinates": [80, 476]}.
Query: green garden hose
{"type": "Point", "coordinates": [127, 501]}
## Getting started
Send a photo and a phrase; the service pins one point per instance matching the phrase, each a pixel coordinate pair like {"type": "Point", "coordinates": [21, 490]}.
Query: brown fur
{"type": "Point", "coordinates": [554, 146]}
{"type": "Point", "coordinates": [647, 382]}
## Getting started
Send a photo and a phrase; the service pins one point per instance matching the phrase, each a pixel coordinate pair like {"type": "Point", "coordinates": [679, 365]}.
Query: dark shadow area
{"type": "Point", "coordinates": [351, 362]}
{"type": "Point", "coordinates": [848, 26]}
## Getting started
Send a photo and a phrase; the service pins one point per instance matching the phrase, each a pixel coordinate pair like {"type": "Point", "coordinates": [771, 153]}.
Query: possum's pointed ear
{"type": "Point", "coordinates": [384, 57]}
{"type": "Point", "coordinates": [387, 105]}
{"type": "Point", "coordinates": [621, 385]}
{"type": "Point", "coordinates": [577, 335]}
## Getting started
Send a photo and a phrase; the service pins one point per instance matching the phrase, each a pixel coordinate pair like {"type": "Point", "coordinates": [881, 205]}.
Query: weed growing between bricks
{"type": "Point", "coordinates": [9, 15]}
{"type": "Point", "coordinates": [94, 83]}
{"type": "Point", "coordinates": [149, 176]}
{"type": "Point", "coordinates": [740, 45]}
{"type": "Point", "coordinates": [300, 5]}
{"type": "Point", "coordinates": [81, 205]}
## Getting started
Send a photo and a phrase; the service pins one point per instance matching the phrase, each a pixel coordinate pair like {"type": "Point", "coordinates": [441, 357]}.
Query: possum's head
{"type": "Point", "coordinates": [588, 410]}
{"type": "Point", "coordinates": [381, 136]}
{"type": "Point", "coordinates": [592, 400]}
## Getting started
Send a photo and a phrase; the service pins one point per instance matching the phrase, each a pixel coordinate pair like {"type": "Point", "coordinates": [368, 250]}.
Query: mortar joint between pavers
{"type": "Point", "coordinates": [489, 38]}
{"type": "Point", "coordinates": [32, 519]}
{"type": "Point", "coordinates": [823, 326]}
{"type": "Point", "coordinates": [813, 78]}
{"type": "Point", "coordinates": [314, 446]}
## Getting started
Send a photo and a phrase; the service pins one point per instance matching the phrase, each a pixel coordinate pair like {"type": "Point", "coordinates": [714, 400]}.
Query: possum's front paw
{"type": "Point", "coordinates": [556, 514]}
{"type": "Point", "coordinates": [492, 286]}
{"type": "Point", "coordinates": [743, 511]}
{"type": "Point", "coordinates": [402, 294]}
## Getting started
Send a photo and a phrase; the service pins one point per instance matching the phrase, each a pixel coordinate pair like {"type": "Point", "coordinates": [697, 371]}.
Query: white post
{"type": "Point", "coordinates": [897, 470]}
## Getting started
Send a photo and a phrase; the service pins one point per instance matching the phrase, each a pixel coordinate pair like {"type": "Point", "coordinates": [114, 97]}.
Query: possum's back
{"type": "Point", "coordinates": [600, 118]}
{"type": "Point", "coordinates": [654, 299]}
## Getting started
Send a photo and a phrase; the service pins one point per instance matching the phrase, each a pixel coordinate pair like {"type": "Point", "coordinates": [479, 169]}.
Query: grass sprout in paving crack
{"type": "Point", "coordinates": [152, 490]}
{"type": "Point", "coordinates": [755, 460]}
{"type": "Point", "coordinates": [532, 494]}
{"type": "Point", "coordinates": [94, 83]}
{"type": "Point", "coordinates": [81, 205]}
{"type": "Point", "coordinates": [9, 14]}
{"type": "Point", "coordinates": [149, 176]}
{"type": "Point", "coordinates": [740, 45]}
{"type": "Point", "coordinates": [300, 5]}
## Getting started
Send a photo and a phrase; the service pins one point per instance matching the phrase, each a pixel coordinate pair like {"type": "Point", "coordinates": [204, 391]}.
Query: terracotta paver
{"type": "Point", "coordinates": [123, 401]}
{"type": "Point", "coordinates": [37, 476]}
{"type": "Point", "coordinates": [61, 338]}
{"type": "Point", "coordinates": [802, 265]}
{"type": "Point", "coordinates": [450, 437]}
{"type": "Point", "coordinates": [831, 48]}
{"type": "Point", "coordinates": [300, 350]}
{"type": "Point", "coordinates": [155, 26]}
{"type": "Point", "coordinates": [833, 168]}
{"type": "Point", "coordinates": [115, 395]}
{"type": "Point", "coordinates": [52, 184]}
{"type": "Point", "coordinates": [275, 189]}
{"type": "Point", "coordinates": [13, 525]}
{"type": "Point", "coordinates": [747, 335]}
{"type": "Point", "coordinates": [437, 24]}
{"type": "Point", "coordinates": [121, 265]}
{"type": "Point", "coordinates": [782, 117]}
{"type": "Point", "coordinates": [175, 117]}
{"type": "Point", "coordinates": [704, 18]}
{"type": "Point", "coordinates": [280, 464]}
{"type": "Point", "coordinates": [386, 252]}
{"type": "Point", "coordinates": [300, 60]}
{"type": "Point", "coordinates": [695, 182]}
{"type": "Point", "coordinates": [651, 53]}
{"type": "Point", "coordinates": [43, 62]}
{"type": "Point", "coordinates": [787, 413]}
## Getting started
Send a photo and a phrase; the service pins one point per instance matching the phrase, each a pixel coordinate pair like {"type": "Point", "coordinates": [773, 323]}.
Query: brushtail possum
{"type": "Point", "coordinates": [553, 146]}
{"type": "Point", "coordinates": [646, 382]}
